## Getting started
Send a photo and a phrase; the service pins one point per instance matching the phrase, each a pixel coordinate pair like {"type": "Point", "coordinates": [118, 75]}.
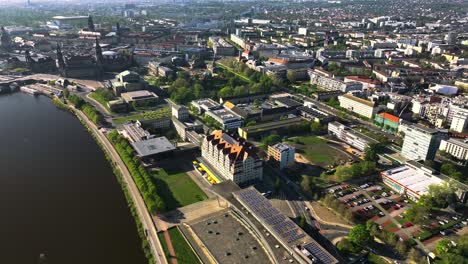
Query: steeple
{"type": "Point", "coordinates": [91, 24]}
{"type": "Point", "coordinates": [60, 61]}
{"type": "Point", "coordinates": [99, 57]}
{"type": "Point", "coordinates": [5, 40]}
{"type": "Point", "coordinates": [28, 57]}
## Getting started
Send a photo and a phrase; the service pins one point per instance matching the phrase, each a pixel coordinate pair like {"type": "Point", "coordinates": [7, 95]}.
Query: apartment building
{"type": "Point", "coordinates": [455, 147]}
{"type": "Point", "coordinates": [357, 105]}
{"type": "Point", "coordinates": [221, 47]}
{"type": "Point", "coordinates": [234, 158]}
{"type": "Point", "coordinates": [281, 154]}
{"type": "Point", "coordinates": [419, 143]}
{"type": "Point", "coordinates": [349, 136]}
{"type": "Point", "coordinates": [331, 83]}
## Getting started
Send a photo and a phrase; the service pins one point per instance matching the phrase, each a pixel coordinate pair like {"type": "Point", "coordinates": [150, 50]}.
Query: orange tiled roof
{"type": "Point", "coordinates": [390, 117]}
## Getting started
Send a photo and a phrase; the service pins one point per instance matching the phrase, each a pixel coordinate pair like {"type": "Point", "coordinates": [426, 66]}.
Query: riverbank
{"type": "Point", "coordinates": [145, 226]}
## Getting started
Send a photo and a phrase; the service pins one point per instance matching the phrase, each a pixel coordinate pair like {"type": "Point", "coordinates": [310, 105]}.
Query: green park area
{"type": "Point", "coordinates": [183, 251]}
{"type": "Point", "coordinates": [156, 114]}
{"type": "Point", "coordinates": [317, 151]}
{"type": "Point", "coordinates": [177, 189]}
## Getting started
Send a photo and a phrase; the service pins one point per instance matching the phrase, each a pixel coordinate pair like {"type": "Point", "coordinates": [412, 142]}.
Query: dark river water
{"type": "Point", "coordinates": [58, 195]}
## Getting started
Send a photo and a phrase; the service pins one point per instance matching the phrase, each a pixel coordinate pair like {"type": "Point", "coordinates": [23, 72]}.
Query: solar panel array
{"type": "Point", "coordinates": [281, 224]}
{"type": "Point", "coordinates": [286, 228]}
{"type": "Point", "coordinates": [319, 253]}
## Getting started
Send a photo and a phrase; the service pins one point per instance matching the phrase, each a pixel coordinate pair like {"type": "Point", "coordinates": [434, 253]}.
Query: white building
{"type": "Point", "coordinates": [411, 180]}
{"type": "Point", "coordinates": [419, 143]}
{"type": "Point", "coordinates": [357, 105]}
{"type": "Point", "coordinates": [282, 154]}
{"type": "Point", "coordinates": [234, 159]}
{"type": "Point", "coordinates": [455, 147]}
{"type": "Point", "coordinates": [457, 117]}
{"type": "Point", "coordinates": [349, 136]}
{"type": "Point", "coordinates": [331, 83]}
{"type": "Point", "coordinates": [227, 118]}
{"type": "Point", "coordinates": [180, 112]}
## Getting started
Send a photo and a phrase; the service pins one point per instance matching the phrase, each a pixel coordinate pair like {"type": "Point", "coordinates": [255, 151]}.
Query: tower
{"type": "Point", "coordinates": [5, 40]}
{"type": "Point", "coordinates": [60, 61]}
{"type": "Point", "coordinates": [91, 24]}
{"type": "Point", "coordinates": [98, 50]}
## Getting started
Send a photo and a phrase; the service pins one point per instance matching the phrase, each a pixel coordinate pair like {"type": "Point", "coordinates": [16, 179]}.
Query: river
{"type": "Point", "coordinates": [58, 195]}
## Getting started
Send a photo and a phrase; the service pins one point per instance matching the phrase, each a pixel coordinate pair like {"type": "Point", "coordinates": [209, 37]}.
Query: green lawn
{"type": "Point", "coordinates": [99, 98]}
{"type": "Point", "coordinates": [177, 189]}
{"type": "Point", "coordinates": [160, 113]}
{"type": "Point", "coordinates": [317, 151]}
{"type": "Point", "coordinates": [184, 252]}
{"type": "Point", "coordinates": [162, 240]}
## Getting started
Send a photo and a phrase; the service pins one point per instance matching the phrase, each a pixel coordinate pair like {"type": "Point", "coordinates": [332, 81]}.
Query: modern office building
{"type": "Point", "coordinates": [455, 147]}
{"type": "Point", "coordinates": [357, 105]}
{"type": "Point", "coordinates": [154, 147]}
{"type": "Point", "coordinates": [419, 143]}
{"type": "Point", "coordinates": [203, 105]}
{"type": "Point", "coordinates": [349, 136]}
{"type": "Point", "coordinates": [282, 155]}
{"type": "Point", "coordinates": [233, 158]}
{"type": "Point", "coordinates": [227, 118]}
{"type": "Point", "coordinates": [141, 98]}
{"type": "Point", "coordinates": [134, 132]}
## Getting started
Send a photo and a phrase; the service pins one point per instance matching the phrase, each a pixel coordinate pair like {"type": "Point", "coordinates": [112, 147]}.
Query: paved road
{"type": "Point", "coordinates": [137, 199]}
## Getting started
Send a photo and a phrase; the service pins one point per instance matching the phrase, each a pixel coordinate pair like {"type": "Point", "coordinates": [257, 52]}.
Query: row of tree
{"type": "Point", "coordinates": [139, 173]}
{"type": "Point", "coordinates": [88, 109]}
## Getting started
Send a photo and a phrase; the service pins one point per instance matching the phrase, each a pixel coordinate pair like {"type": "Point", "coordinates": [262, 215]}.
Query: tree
{"type": "Point", "coordinates": [270, 140]}
{"type": "Point", "coordinates": [316, 128]}
{"type": "Point", "coordinates": [66, 93]}
{"type": "Point", "coordinates": [371, 152]}
{"type": "Point", "coordinates": [277, 185]}
{"type": "Point", "coordinates": [443, 246]}
{"type": "Point", "coordinates": [292, 76]}
{"type": "Point", "coordinates": [225, 92]}
{"type": "Point", "coordinates": [359, 235]}
{"type": "Point", "coordinates": [347, 246]}
{"type": "Point", "coordinates": [372, 227]}
{"type": "Point", "coordinates": [302, 221]}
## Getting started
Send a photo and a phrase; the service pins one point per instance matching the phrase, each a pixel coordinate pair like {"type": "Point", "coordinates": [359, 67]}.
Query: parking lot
{"type": "Point", "coordinates": [376, 202]}
{"type": "Point", "coordinates": [373, 201]}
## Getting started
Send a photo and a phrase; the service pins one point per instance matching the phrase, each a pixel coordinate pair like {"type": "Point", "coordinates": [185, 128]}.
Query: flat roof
{"type": "Point", "coordinates": [273, 124]}
{"type": "Point", "coordinates": [153, 146]}
{"type": "Point", "coordinates": [412, 178]}
{"type": "Point", "coordinates": [138, 94]}
{"type": "Point", "coordinates": [359, 100]}
{"type": "Point", "coordinates": [69, 17]}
